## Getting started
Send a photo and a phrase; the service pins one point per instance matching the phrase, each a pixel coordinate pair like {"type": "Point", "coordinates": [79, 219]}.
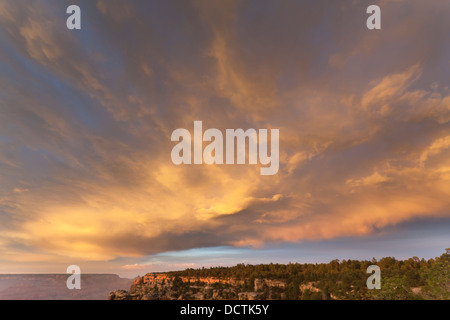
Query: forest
{"type": "Point", "coordinates": [413, 278]}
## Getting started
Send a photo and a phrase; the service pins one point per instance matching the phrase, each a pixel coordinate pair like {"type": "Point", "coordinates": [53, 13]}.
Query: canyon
{"type": "Point", "coordinates": [54, 287]}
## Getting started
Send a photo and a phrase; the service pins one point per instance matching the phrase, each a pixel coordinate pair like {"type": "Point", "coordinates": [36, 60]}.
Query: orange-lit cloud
{"type": "Point", "coordinates": [86, 119]}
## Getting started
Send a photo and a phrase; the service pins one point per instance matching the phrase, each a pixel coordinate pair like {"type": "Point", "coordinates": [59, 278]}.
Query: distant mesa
{"type": "Point", "coordinates": [54, 287]}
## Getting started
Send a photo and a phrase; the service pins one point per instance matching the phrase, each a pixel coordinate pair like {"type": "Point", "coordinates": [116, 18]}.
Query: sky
{"type": "Point", "coordinates": [86, 118]}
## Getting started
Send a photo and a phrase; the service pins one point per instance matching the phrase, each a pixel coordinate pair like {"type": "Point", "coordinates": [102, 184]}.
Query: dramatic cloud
{"type": "Point", "coordinates": [86, 118]}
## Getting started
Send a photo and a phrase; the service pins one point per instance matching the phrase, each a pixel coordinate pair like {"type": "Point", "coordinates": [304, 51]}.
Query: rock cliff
{"type": "Point", "coordinates": [166, 286]}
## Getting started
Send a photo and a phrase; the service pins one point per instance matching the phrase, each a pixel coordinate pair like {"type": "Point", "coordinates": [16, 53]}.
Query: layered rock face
{"type": "Point", "coordinates": [163, 286]}
{"type": "Point", "coordinates": [402, 280]}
